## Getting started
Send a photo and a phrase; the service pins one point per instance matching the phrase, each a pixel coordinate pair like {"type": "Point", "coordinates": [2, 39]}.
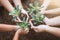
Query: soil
{"type": "Point", "coordinates": [6, 19]}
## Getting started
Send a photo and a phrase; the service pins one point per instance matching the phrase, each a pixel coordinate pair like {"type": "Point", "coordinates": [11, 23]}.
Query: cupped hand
{"type": "Point", "coordinates": [40, 28]}
{"type": "Point", "coordinates": [23, 32]}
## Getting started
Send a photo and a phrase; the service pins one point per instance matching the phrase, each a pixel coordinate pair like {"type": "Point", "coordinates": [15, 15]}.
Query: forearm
{"type": "Point", "coordinates": [52, 21]}
{"type": "Point", "coordinates": [16, 36]}
{"type": "Point", "coordinates": [7, 5]}
{"type": "Point", "coordinates": [53, 11]}
{"type": "Point", "coordinates": [45, 4]}
{"type": "Point", "coordinates": [53, 30]}
{"type": "Point", "coordinates": [5, 27]}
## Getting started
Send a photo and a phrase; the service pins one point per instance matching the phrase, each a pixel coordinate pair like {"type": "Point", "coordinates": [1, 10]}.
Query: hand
{"type": "Point", "coordinates": [24, 11]}
{"type": "Point", "coordinates": [25, 31]}
{"type": "Point", "coordinates": [40, 28]}
{"type": "Point", "coordinates": [22, 32]}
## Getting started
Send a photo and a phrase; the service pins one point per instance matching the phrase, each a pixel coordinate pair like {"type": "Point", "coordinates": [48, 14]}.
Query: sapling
{"type": "Point", "coordinates": [15, 14]}
{"type": "Point", "coordinates": [34, 16]}
{"type": "Point", "coordinates": [35, 13]}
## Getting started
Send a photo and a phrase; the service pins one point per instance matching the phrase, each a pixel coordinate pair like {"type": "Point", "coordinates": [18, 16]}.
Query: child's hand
{"type": "Point", "coordinates": [22, 32]}
{"type": "Point", "coordinates": [40, 28]}
{"type": "Point", "coordinates": [25, 31]}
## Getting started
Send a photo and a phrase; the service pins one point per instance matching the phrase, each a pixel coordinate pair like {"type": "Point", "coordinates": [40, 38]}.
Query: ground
{"type": "Point", "coordinates": [4, 18]}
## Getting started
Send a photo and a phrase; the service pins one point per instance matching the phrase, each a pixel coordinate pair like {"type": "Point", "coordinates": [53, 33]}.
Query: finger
{"type": "Point", "coordinates": [36, 30]}
{"type": "Point", "coordinates": [33, 27]}
{"type": "Point", "coordinates": [26, 30]}
{"type": "Point", "coordinates": [31, 23]}
{"type": "Point", "coordinates": [19, 30]}
{"type": "Point", "coordinates": [16, 20]}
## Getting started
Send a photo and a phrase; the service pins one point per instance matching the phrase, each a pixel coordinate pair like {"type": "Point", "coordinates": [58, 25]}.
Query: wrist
{"type": "Point", "coordinates": [47, 28]}
{"type": "Point", "coordinates": [43, 27]}
{"type": "Point", "coordinates": [46, 20]}
{"type": "Point", "coordinates": [17, 28]}
{"type": "Point", "coordinates": [18, 31]}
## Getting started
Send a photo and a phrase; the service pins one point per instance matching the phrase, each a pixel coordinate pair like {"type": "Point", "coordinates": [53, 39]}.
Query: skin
{"type": "Point", "coordinates": [5, 27]}
{"type": "Point", "coordinates": [20, 32]}
{"type": "Point", "coordinates": [9, 6]}
{"type": "Point", "coordinates": [55, 11]}
{"type": "Point", "coordinates": [41, 28]}
{"type": "Point", "coordinates": [18, 2]}
{"type": "Point", "coordinates": [49, 23]}
{"type": "Point", "coordinates": [52, 21]}
{"type": "Point", "coordinates": [16, 36]}
{"type": "Point", "coordinates": [45, 28]}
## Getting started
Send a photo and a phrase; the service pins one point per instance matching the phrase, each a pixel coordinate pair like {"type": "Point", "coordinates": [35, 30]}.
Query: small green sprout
{"type": "Point", "coordinates": [24, 24]}
{"type": "Point", "coordinates": [35, 12]}
{"type": "Point", "coordinates": [15, 14]}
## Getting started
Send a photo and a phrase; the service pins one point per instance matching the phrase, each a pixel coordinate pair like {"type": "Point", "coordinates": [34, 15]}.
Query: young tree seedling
{"type": "Point", "coordinates": [22, 23]}
{"type": "Point", "coordinates": [35, 13]}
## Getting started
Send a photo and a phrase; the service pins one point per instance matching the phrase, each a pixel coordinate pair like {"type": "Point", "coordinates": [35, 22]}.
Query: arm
{"type": "Point", "coordinates": [10, 8]}
{"type": "Point", "coordinates": [5, 27]}
{"type": "Point", "coordinates": [16, 36]}
{"type": "Point", "coordinates": [7, 5]}
{"type": "Point", "coordinates": [52, 11]}
{"type": "Point", "coordinates": [53, 30]}
{"type": "Point", "coordinates": [52, 21]}
{"type": "Point", "coordinates": [45, 28]}
{"type": "Point", "coordinates": [18, 2]}
{"type": "Point", "coordinates": [20, 32]}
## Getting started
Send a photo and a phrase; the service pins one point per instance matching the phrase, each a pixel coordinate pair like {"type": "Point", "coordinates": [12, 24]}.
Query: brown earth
{"type": "Point", "coordinates": [6, 19]}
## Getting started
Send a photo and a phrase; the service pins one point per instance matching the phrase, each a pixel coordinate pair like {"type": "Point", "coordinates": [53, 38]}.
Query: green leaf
{"type": "Point", "coordinates": [24, 19]}
{"type": "Point", "coordinates": [34, 8]}
{"type": "Point", "coordinates": [17, 7]}
{"type": "Point", "coordinates": [23, 25]}
{"type": "Point", "coordinates": [13, 19]}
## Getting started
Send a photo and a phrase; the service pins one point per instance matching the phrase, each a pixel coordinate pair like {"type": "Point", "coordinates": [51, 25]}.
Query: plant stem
{"type": "Point", "coordinates": [31, 23]}
{"type": "Point", "coordinates": [27, 18]}
{"type": "Point", "coordinates": [19, 19]}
